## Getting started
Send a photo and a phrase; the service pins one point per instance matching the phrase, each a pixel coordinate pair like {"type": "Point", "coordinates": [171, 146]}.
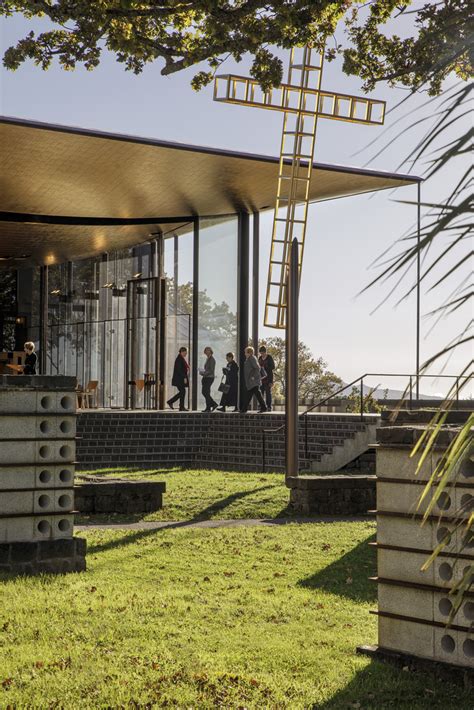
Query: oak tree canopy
{"type": "Point", "coordinates": [184, 33]}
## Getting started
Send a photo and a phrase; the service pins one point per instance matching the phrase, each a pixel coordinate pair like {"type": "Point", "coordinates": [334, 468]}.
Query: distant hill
{"type": "Point", "coordinates": [382, 393]}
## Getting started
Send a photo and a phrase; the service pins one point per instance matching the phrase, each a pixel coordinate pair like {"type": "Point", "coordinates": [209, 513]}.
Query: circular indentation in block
{"type": "Point", "coordinates": [467, 503]}
{"type": "Point", "coordinates": [45, 427]}
{"type": "Point", "coordinates": [45, 476]}
{"type": "Point", "coordinates": [468, 610]}
{"type": "Point", "coordinates": [44, 527]}
{"type": "Point", "coordinates": [65, 452]}
{"type": "Point", "coordinates": [64, 525]}
{"type": "Point", "coordinates": [66, 427]}
{"type": "Point", "coordinates": [44, 500]}
{"type": "Point", "coordinates": [444, 501]}
{"type": "Point", "coordinates": [67, 402]}
{"type": "Point", "coordinates": [467, 468]}
{"type": "Point", "coordinates": [468, 648]}
{"type": "Point", "coordinates": [45, 452]}
{"type": "Point", "coordinates": [46, 402]}
{"type": "Point", "coordinates": [445, 606]}
{"type": "Point", "coordinates": [65, 501]}
{"type": "Point", "coordinates": [445, 571]}
{"type": "Point", "coordinates": [448, 644]}
{"type": "Point", "coordinates": [65, 476]}
{"type": "Point", "coordinates": [443, 535]}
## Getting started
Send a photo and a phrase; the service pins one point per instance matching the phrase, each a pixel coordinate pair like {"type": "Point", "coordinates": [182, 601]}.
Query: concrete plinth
{"type": "Point", "coordinates": [37, 461]}
{"type": "Point", "coordinates": [332, 495]}
{"type": "Point", "coordinates": [118, 496]}
{"type": "Point", "coordinates": [43, 556]}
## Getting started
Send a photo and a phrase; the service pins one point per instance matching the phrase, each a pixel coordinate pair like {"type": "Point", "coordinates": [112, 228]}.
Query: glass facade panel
{"type": "Point", "coordinates": [89, 309]}
{"type": "Point", "coordinates": [218, 266]}
{"type": "Point", "coordinates": [178, 263]}
{"type": "Point", "coordinates": [104, 322]}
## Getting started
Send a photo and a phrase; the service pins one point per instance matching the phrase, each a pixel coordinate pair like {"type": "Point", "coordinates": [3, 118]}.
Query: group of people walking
{"type": "Point", "coordinates": [258, 377]}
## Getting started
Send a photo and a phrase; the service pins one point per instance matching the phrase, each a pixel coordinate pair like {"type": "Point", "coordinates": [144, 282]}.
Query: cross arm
{"type": "Point", "coordinates": [234, 89]}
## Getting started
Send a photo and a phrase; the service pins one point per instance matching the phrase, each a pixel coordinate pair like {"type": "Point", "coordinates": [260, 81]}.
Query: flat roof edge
{"type": "Point", "coordinates": [173, 145]}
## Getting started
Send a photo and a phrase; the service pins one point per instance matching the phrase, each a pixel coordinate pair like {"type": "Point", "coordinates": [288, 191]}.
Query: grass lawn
{"type": "Point", "coordinates": [204, 495]}
{"type": "Point", "coordinates": [231, 618]}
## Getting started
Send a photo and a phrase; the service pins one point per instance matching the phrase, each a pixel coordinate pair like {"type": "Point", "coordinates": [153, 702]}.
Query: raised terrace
{"type": "Point", "coordinates": [251, 442]}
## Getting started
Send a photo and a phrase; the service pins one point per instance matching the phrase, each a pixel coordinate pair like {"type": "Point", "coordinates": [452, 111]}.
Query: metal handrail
{"type": "Point", "coordinates": [360, 379]}
{"type": "Point", "coordinates": [264, 443]}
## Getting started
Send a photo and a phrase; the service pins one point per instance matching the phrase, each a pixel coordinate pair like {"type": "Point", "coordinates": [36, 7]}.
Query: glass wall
{"type": "Point", "coordinates": [218, 248]}
{"type": "Point", "coordinates": [87, 306]}
{"type": "Point", "coordinates": [104, 322]}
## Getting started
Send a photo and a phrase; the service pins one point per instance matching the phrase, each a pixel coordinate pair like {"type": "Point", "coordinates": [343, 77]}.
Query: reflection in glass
{"type": "Point", "coordinates": [103, 324]}
{"type": "Point", "coordinates": [218, 241]}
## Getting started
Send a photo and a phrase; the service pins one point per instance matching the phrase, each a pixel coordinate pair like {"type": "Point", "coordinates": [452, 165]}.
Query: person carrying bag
{"type": "Point", "coordinates": [229, 385]}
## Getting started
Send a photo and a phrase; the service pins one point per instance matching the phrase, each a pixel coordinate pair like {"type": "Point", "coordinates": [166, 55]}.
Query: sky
{"type": "Point", "coordinates": [344, 237]}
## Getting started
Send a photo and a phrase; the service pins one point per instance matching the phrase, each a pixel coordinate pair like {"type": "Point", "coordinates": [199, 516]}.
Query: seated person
{"type": "Point", "coordinates": [30, 360]}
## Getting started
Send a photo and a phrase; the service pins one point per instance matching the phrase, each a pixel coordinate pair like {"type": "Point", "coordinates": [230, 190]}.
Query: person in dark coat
{"type": "Point", "coordinates": [30, 359]}
{"type": "Point", "coordinates": [267, 364]}
{"type": "Point", "coordinates": [253, 381]}
{"type": "Point", "coordinates": [231, 372]}
{"type": "Point", "coordinates": [180, 380]}
{"type": "Point", "coordinates": [208, 374]}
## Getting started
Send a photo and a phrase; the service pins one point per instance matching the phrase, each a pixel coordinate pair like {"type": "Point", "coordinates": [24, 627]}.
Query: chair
{"type": "Point", "coordinates": [89, 395]}
{"type": "Point", "coordinates": [79, 397]}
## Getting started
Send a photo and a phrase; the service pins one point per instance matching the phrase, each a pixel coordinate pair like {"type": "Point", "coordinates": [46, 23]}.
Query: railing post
{"type": "Point", "coordinates": [362, 399]}
{"type": "Point", "coordinates": [457, 390]}
{"type": "Point", "coordinates": [411, 392]}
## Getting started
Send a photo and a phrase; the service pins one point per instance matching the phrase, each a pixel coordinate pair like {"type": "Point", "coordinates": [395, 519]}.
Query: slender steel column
{"type": "Point", "coordinates": [242, 296]}
{"type": "Point", "coordinates": [153, 258]}
{"type": "Point", "coordinates": [255, 277]}
{"type": "Point", "coordinates": [176, 345]}
{"type": "Point", "coordinates": [162, 340]}
{"type": "Point", "coordinates": [418, 275]}
{"type": "Point", "coordinates": [195, 329]}
{"type": "Point", "coordinates": [291, 403]}
{"type": "Point", "coordinates": [175, 271]}
{"type": "Point", "coordinates": [69, 291]}
{"type": "Point", "coordinates": [160, 322]}
{"type": "Point", "coordinates": [43, 317]}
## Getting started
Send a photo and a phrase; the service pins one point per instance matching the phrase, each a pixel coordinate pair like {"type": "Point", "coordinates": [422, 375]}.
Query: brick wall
{"type": "Point", "coordinates": [221, 441]}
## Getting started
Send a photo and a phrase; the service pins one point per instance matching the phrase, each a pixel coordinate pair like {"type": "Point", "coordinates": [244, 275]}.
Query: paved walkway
{"type": "Point", "coordinates": [245, 522]}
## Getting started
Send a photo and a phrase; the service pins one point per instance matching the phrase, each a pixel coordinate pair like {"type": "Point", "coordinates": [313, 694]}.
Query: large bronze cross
{"type": "Point", "coordinates": [302, 101]}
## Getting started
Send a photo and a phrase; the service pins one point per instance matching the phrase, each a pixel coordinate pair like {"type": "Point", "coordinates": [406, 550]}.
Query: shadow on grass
{"type": "Point", "coordinates": [380, 685]}
{"type": "Point", "coordinates": [131, 472]}
{"type": "Point", "coordinates": [204, 514]}
{"type": "Point", "coordinates": [348, 575]}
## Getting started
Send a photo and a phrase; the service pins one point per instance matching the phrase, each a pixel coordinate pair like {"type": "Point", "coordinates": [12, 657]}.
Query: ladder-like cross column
{"type": "Point", "coordinates": [302, 101]}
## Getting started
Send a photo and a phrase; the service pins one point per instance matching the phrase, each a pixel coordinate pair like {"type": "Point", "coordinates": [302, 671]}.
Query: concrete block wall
{"type": "Point", "coordinates": [37, 461]}
{"type": "Point", "coordinates": [332, 495]}
{"type": "Point", "coordinates": [414, 605]}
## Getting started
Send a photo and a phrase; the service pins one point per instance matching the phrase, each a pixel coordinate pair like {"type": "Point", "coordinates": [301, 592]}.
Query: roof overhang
{"type": "Point", "coordinates": [67, 192]}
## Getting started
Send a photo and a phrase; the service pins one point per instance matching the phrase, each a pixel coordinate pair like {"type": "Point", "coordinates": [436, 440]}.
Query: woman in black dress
{"type": "Point", "coordinates": [180, 380]}
{"type": "Point", "coordinates": [30, 359]}
{"type": "Point", "coordinates": [231, 372]}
